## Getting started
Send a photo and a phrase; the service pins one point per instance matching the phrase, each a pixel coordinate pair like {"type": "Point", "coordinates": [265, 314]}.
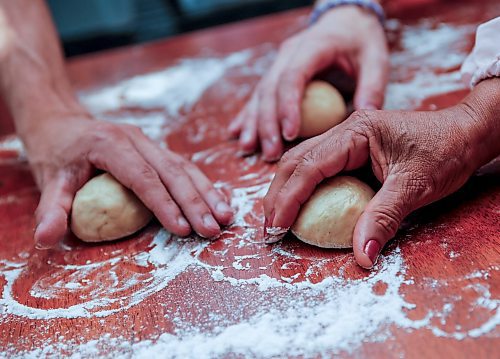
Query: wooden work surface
{"type": "Point", "coordinates": [434, 293]}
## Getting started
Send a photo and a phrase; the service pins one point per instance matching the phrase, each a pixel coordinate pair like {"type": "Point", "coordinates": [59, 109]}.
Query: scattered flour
{"type": "Point", "coordinates": [332, 316]}
{"type": "Point", "coordinates": [426, 48]}
{"type": "Point", "coordinates": [174, 89]}
{"type": "Point", "coordinates": [306, 316]}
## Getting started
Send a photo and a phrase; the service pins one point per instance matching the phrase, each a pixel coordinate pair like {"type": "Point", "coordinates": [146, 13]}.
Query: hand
{"type": "Point", "coordinates": [419, 157]}
{"type": "Point", "coordinates": [347, 37]}
{"type": "Point", "coordinates": [64, 151]}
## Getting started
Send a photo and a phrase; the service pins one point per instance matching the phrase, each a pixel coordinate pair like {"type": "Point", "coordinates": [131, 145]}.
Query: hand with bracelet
{"type": "Point", "coordinates": [345, 34]}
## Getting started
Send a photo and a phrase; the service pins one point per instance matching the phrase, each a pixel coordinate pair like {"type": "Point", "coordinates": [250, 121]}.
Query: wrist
{"type": "Point", "coordinates": [481, 108]}
{"type": "Point", "coordinates": [371, 8]}
{"type": "Point", "coordinates": [33, 92]}
{"type": "Point", "coordinates": [44, 111]}
{"type": "Point", "coordinates": [40, 124]}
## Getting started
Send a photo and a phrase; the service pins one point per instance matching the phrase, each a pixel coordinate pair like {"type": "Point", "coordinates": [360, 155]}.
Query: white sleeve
{"type": "Point", "coordinates": [484, 60]}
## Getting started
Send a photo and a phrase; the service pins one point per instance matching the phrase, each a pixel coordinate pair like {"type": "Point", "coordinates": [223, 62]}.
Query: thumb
{"type": "Point", "coordinates": [372, 78]}
{"type": "Point", "coordinates": [380, 221]}
{"type": "Point", "coordinates": [52, 212]}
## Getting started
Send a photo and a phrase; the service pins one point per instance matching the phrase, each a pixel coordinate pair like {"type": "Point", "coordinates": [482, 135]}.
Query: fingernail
{"type": "Point", "coordinates": [42, 247]}
{"type": "Point", "coordinates": [182, 222]}
{"type": "Point", "coordinates": [372, 250]}
{"type": "Point", "coordinates": [39, 245]}
{"type": "Point", "coordinates": [268, 147]}
{"type": "Point", "coordinates": [275, 234]}
{"type": "Point", "coordinates": [210, 222]}
{"type": "Point", "coordinates": [288, 132]}
{"type": "Point", "coordinates": [223, 207]}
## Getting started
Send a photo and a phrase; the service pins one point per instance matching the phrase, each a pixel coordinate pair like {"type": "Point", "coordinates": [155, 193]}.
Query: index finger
{"type": "Point", "coordinates": [140, 177]}
{"type": "Point", "coordinates": [286, 167]}
{"type": "Point", "coordinates": [341, 150]}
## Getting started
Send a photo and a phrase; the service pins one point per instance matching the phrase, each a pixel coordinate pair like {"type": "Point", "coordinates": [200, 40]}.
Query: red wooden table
{"type": "Point", "coordinates": [434, 293]}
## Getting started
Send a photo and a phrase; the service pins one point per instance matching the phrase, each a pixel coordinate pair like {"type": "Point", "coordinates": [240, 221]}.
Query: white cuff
{"type": "Point", "coordinates": [484, 60]}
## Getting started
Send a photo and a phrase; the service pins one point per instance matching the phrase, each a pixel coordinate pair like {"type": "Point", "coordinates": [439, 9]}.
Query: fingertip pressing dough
{"type": "Point", "coordinates": [328, 218]}
{"type": "Point", "coordinates": [323, 107]}
{"type": "Point", "coordinates": [104, 210]}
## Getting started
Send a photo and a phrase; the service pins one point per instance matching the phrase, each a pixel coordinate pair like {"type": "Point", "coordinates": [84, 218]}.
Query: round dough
{"type": "Point", "coordinates": [323, 107]}
{"type": "Point", "coordinates": [328, 218]}
{"type": "Point", "coordinates": [103, 210]}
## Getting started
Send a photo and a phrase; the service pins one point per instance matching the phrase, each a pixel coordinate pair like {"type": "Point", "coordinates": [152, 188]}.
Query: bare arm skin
{"type": "Point", "coordinates": [65, 144]}
{"type": "Point", "coordinates": [418, 156]}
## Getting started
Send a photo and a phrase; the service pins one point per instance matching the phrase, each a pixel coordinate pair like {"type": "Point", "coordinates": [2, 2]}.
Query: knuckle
{"type": "Point", "coordinates": [105, 133]}
{"type": "Point", "coordinates": [148, 173]}
{"type": "Point", "coordinates": [307, 162]}
{"type": "Point", "coordinates": [195, 199]}
{"type": "Point", "coordinates": [175, 170]}
{"type": "Point", "coordinates": [286, 160]}
{"type": "Point", "coordinates": [309, 158]}
{"type": "Point", "coordinates": [361, 120]}
{"type": "Point", "coordinates": [211, 193]}
{"type": "Point", "coordinates": [280, 201]}
{"type": "Point", "coordinates": [266, 93]}
{"type": "Point", "coordinates": [145, 179]}
{"type": "Point", "coordinates": [292, 76]}
{"type": "Point", "coordinates": [309, 169]}
{"type": "Point", "coordinates": [388, 218]}
{"type": "Point", "coordinates": [134, 130]}
{"type": "Point", "coordinates": [361, 116]}
{"type": "Point", "coordinates": [167, 204]}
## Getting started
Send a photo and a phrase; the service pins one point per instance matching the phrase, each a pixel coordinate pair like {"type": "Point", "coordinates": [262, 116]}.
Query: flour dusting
{"type": "Point", "coordinates": [436, 53]}
{"type": "Point", "coordinates": [299, 305]}
{"type": "Point", "coordinates": [172, 90]}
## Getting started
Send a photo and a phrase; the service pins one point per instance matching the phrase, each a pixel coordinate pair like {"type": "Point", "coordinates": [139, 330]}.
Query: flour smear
{"type": "Point", "coordinates": [297, 314]}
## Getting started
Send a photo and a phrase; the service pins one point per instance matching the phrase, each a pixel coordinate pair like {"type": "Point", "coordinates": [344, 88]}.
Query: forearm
{"type": "Point", "coordinates": [33, 81]}
{"type": "Point", "coordinates": [483, 107]}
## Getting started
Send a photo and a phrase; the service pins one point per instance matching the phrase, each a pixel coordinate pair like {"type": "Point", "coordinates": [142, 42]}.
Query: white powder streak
{"type": "Point", "coordinates": [424, 50]}
{"type": "Point", "coordinates": [313, 318]}
{"type": "Point", "coordinates": [172, 90]}
{"type": "Point", "coordinates": [348, 316]}
{"type": "Point", "coordinates": [170, 257]}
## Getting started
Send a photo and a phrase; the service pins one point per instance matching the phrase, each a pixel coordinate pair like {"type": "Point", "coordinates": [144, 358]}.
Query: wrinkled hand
{"type": "Point", "coordinates": [65, 151]}
{"type": "Point", "coordinates": [419, 157]}
{"type": "Point", "coordinates": [347, 37]}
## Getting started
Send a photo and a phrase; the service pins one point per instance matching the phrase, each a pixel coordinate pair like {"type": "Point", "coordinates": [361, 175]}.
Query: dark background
{"type": "Point", "coordinates": [94, 25]}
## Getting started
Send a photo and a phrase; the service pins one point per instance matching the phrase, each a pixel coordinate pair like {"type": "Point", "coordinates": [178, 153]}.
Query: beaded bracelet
{"type": "Point", "coordinates": [370, 5]}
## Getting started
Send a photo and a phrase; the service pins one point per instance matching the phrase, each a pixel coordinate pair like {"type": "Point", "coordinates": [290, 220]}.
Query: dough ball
{"type": "Point", "coordinates": [322, 108]}
{"type": "Point", "coordinates": [103, 210]}
{"type": "Point", "coordinates": [328, 218]}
